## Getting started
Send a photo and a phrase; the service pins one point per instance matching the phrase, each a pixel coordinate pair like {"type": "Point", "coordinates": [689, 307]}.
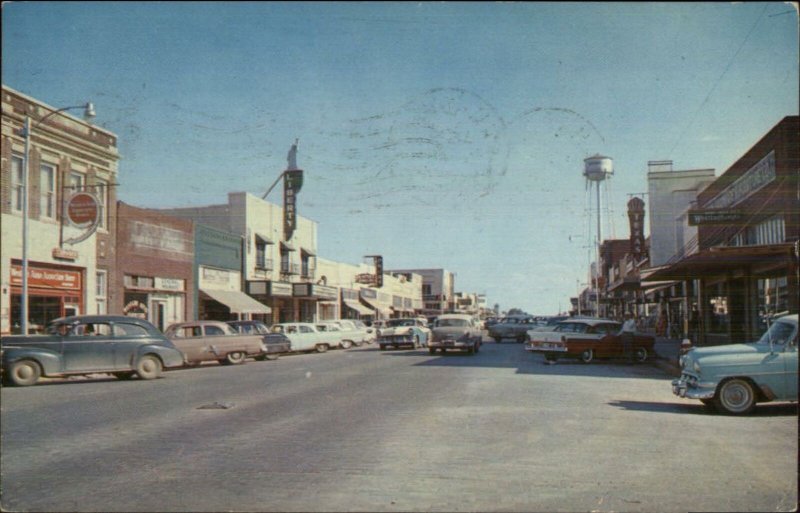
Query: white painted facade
{"type": "Point", "coordinates": [670, 194]}
{"type": "Point", "coordinates": [66, 154]}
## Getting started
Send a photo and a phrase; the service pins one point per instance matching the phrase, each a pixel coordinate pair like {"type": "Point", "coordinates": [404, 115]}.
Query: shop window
{"type": "Point", "coordinates": [47, 188]}
{"type": "Point", "coordinates": [17, 183]}
{"type": "Point", "coordinates": [101, 191]}
{"type": "Point", "coordinates": [101, 286]}
{"type": "Point", "coordinates": [719, 318]}
{"type": "Point", "coordinates": [773, 300]}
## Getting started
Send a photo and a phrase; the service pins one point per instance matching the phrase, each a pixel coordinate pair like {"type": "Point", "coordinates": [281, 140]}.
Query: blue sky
{"type": "Point", "coordinates": [436, 134]}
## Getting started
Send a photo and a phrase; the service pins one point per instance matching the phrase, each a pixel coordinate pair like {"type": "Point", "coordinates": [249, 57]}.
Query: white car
{"type": "Point", "coordinates": [361, 333]}
{"type": "Point", "coordinates": [346, 338]}
{"type": "Point", "coordinates": [304, 336]}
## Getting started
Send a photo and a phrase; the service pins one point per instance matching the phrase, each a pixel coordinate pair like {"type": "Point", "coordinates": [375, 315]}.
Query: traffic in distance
{"type": "Point", "coordinates": [729, 378]}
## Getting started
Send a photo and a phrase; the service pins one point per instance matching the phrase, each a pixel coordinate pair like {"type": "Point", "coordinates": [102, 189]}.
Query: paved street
{"type": "Point", "coordinates": [370, 430]}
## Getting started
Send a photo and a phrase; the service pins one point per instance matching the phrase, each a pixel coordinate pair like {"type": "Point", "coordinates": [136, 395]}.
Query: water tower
{"type": "Point", "coordinates": [598, 170]}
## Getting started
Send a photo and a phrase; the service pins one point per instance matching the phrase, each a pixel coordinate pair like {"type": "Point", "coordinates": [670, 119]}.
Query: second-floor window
{"type": "Point", "coordinates": [285, 262]}
{"type": "Point", "coordinates": [101, 191]}
{"type": "Point", "coordinates": [47, 187]}
{"type": "Point", "coordinates": [261, 254]}
{"type": "Point", "coordinates": [17, 183]}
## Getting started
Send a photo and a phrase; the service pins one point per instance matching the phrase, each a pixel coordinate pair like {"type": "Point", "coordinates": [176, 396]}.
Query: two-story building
{"type": "Point", "coordinates": [744, 268]}
{"type": "Point", "coordinates": [69, 180]}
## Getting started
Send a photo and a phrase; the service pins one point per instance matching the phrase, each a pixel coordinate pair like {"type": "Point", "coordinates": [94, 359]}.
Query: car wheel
{"type": "Point", "coordinates": [124, 375]}
{"type": "Point", "coordinates": [322, 348]}
{"type": "Point", "coordinates": [23, 373]}
{"type": "Point", "coordinates": [149, 367]}
{"type": "Point", "coordinates": [271, 357]}
{"type": "Point", "coordinates": [587, 356]}
{"type": "Point", "coordinates": [736, 397]}
{"type": "Point", "coordinates": [640, 354]}
{"type": "Point", "coordinates": [346, 344]}
{"type": "Point", "coordinates": [235, 358]}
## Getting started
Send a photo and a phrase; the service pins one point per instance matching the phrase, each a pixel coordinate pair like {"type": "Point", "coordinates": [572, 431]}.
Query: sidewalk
{"type": "Point", "coordinates": [666, 357]}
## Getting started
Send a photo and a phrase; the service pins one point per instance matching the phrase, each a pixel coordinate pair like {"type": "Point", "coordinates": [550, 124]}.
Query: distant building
{"type": "Point", "coordinates": [438, 289]}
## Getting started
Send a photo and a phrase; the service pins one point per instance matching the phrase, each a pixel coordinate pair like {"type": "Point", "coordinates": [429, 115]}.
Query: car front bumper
{"type": "Point", "coordinates": [688, 387]}
{"type": "Point", "coordinates": [450, 344]}
{"type": "Point", "coordinates": [544, 349]}
{"type": "Point", "coordinates": [403, 340]}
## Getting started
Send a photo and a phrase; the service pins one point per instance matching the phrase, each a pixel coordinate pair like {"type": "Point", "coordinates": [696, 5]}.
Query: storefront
{"type": "Point", "coordinates": [221, 299]}
{"type": "Point", "coordinates": [379, 302]}
{"type": "Point", "coordinates": [162, 301]}
{"type": "Point", "coordinates": [312, 297]}
{"type": "Point", "coordinates": [739, 289]}
{"type": "Point", "coordinates": [53, 291]}
{"type": "Point", "coordinates": [352, 307]}
{"type": "Point", "coordinates": [277, 295]}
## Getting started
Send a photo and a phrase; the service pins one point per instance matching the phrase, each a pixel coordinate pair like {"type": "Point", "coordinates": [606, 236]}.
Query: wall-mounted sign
{"type": "Point", "coordinates": [365, 278]}
{"type": "Point", "coordinates": [83, 209]}
{"type": "Point", "coordinates": [636, 220]}
{"type": "Point", "coordinates": [292, 183]}
{"type": "Point", "coordinates": [42, 278]}
{"type": "Point", "coordinates": [64, 254]}
{"type": "Point", "coordinates": [714, 217]}
{"type": "Point", "coordinates": [751, 181]}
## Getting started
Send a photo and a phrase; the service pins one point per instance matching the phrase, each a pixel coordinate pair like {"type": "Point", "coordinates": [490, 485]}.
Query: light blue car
{"type": "Point", "coordinates": [733, 378]}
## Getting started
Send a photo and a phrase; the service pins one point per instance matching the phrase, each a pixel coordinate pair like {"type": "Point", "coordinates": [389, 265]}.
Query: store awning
{"type": "Point", "coordinates": [237, 301]}
{"type": "Point", "coordinates": [263, 238]}
{"type": "Point", "coordinates": [287, 246]}
{"type": "Point", "coordinates": [720, 260]}
{"type": "Point", "coordinates": [308, 252]}
{"type": "Point", "coordinates": [385, 311]}
{"type": "Point", "coordinates": [358, 307]}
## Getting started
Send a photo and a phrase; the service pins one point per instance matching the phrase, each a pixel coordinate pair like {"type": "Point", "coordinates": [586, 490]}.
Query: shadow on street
{"type": "Point", "coordinates": [697, 408]}
{"type": "Point", "coordinates": [513, 356]}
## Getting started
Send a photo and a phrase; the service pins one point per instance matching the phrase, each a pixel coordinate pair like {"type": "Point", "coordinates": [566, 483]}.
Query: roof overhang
{"type": "Point", "coordinates": [720, 260]}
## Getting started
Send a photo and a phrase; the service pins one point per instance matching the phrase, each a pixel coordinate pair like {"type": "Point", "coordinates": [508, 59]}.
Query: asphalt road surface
{"type": "Point", "coordinates": [370, 430]}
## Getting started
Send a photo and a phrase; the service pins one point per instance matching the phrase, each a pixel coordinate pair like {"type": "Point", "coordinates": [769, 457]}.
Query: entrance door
{"type": "Point", "coordinates": [159, 310]}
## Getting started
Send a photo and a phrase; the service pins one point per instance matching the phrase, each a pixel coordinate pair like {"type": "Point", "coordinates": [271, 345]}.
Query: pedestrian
{"type": "Point", "coordinates": [694, 324]}
{"type": "Point", "coordinates": [661, 324]}
{"type": "Point", "coordinates": [627, 335]}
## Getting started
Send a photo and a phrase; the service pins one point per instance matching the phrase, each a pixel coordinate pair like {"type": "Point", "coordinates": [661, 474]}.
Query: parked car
{"type": "Point", "coordinates": [514, 326]}
{"type": "Point", "coordinates": [733, 378]}
{"type": "Point", "coordinates": [204, 341]}
{"type": "Point", "coordinates": [275, 343]}
{"type": "Point", "coordinates": [403, 333]}
{"type": "Point", "coordinates": [587, 339]}
{"type": "Point", "coordinates": [548, 323]}
{"type": "Point", "coordinates": [343, 338]}
{"type": "Point", "coordinates": [88, 344]}
{"type": "Point", "coordinates": [360, 332]}
{"type": "Point", "coordinates": [304, 336]}
{"type": "Point", "coordinates": [455, 331]}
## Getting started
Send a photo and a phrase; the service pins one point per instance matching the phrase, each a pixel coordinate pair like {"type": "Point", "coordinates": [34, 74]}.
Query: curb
{"type": "Point", "coordinates": [668, 365]}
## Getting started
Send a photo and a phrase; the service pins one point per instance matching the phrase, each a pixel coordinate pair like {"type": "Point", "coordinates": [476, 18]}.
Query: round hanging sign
{"type": "Point", "coordinates": [83, 209]}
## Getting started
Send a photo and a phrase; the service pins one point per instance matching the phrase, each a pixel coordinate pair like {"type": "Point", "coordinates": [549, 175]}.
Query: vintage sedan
{"type": "Point", "coordinates": [733, 378]}
{"type": "Point", "coordinates": [587, 339]}
{"type": "Point", "coordinates": [89, 344]}
{"type": "Point", "coordinates": [513, 326]}
{"type": "Point", "coordinates": [204, 341]}
{"type": "Point", "coordinates": [455, 332]}
{"type": "Point", "coordinates": [305, 336]}
{"type": "Point", "coordinates": [410, 332]}
{"type": "Point", "coordinates": [275, 343]}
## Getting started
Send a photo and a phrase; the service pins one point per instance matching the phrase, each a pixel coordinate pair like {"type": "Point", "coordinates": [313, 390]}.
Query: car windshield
{"type": "Point", "coordinates": [393, 323]}
{"type": "Point", "coordinates": [779, 333]}
{"type": "Point", "coordinates": [451, 323]}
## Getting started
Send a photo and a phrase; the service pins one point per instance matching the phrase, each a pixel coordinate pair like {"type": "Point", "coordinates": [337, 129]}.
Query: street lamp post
{"type": "Point", "coordinates": [88, 113]}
